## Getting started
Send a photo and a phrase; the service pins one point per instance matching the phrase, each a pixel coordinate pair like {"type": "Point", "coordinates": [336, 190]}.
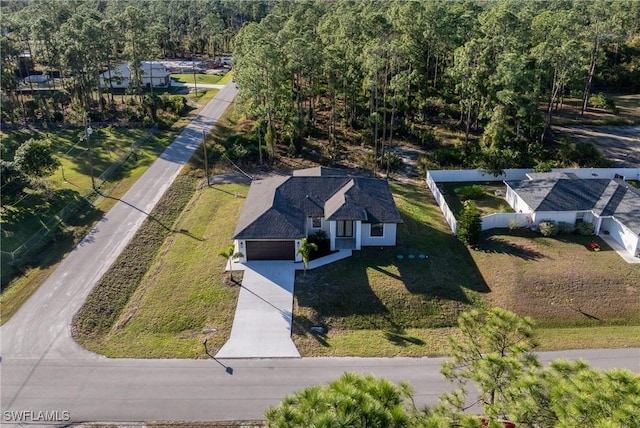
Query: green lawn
{"type": "Point", "coordinates": [373, 303]}
{"type": "Point", "coordinates": [184, 290]}
{"type": "Point", "coordinates": [489, 203]}
{"type": "Point", "coordinates": [375, 294]}
{"type": "Point", "coordinates": [23, 216]}
{"type": "Point", "coordinates": [210, 79]}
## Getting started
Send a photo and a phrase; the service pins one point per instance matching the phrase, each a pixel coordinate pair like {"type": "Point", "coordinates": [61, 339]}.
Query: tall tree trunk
{"type": "Point", "coordinates": [592, 69]}
{"type": "Point", "coordinates": [467, 127]}
{"type": "Point", "coordinates": [552, 96]}
{"type": "Point", "coordinates": [375, 131]}
{"type": "Point", "coordinates": [332, 119]}
{"type": "Point", "coordinates": [393, 115]}
{"type": "Point", "coordinates": [435, 71]}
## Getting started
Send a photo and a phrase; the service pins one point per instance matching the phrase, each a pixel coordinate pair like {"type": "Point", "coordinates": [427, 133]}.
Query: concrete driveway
{"type": "Point", "coordinates": [262, 324]}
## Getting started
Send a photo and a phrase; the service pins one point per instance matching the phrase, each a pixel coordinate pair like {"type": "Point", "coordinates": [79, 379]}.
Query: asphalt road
{"type": "Point", "coordinates": [198, 390]}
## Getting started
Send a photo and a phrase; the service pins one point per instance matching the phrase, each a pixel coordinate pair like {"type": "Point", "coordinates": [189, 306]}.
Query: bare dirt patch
{"type": "Point", "coordinates": [619, 144]}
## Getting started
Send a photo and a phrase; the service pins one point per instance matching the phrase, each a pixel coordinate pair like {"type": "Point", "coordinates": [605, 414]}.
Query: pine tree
{"type": "Point", "coordinates": [470, 224]}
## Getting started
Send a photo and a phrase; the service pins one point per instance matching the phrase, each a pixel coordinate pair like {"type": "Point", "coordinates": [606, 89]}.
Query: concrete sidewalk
{"type": "Point", "coordinates": [622, 252]}
{"type": "Point", "coordinates": [262, 324]}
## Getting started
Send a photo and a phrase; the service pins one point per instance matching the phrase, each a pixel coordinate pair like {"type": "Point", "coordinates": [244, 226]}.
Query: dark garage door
{"type": "Point", "coordinates": [270, 250]}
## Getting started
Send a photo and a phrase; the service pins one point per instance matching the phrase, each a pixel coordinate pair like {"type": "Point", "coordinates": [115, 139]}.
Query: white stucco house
{"type": "Point", "coordinates": [153, 73]}
{"type": "Point", "coordinates": [610, 205]}
{"type": "Point", "coordinates": [281, 210]}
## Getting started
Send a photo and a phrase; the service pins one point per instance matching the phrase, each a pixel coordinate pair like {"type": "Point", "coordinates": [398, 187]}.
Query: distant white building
{"type": "Point", "coordinates": [153, 73]}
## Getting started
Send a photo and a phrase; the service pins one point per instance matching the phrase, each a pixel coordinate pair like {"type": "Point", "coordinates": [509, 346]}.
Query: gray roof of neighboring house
{"type": "Point", "coordinates": [278, 207]}
{"type": "Point", "coordinates": [541, 175]}
{"type": "Point", "coordinates": [605, 197]}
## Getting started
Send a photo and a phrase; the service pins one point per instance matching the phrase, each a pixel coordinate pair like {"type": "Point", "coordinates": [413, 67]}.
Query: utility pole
{"type": "Point", "coordinates": [193, 67]}
{"type": "Point", "coordinates": [88, 130]}
{"type": "Point", "coordinates": [206, 163]}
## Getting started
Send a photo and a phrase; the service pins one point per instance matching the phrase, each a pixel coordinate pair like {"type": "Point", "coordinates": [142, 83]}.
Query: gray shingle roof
{"type": "Point", "coordinates": [321, 171]}
{"type": "Point", "coordinates": [278, 207]}
{"type": "Point", "coordinates": [604, 197]}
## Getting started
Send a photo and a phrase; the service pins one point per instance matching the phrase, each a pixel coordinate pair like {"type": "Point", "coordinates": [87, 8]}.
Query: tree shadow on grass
{"type": "Point", "coordinates": [399, 338]}
{"type": "Point", "coordinates": [153, 218]}
{"type": "Point", "coordinates": [339, 294]}
{"type": "Point", "coordinates": [301, 326]}
{"type": "Point", "coordinates": [492, 242]}
{"type": "Point", "coordinates": [52, 249]}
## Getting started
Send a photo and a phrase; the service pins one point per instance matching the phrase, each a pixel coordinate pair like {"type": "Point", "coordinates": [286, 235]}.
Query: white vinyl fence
{"type": "Point", "coordinates": [503, 220]}
{"type": "Point", "coordinates": [442, 203]}
{"type": "Point", "coordinates": [475, 175]}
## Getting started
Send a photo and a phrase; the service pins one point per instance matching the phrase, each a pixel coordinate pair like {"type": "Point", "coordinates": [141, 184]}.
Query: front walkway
{"type": "Point", "coordinates": [262, 324]}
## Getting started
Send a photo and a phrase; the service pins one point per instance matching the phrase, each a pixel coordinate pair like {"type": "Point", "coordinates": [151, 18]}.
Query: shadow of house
{"type": "Point", "coordinates": [349, 301]}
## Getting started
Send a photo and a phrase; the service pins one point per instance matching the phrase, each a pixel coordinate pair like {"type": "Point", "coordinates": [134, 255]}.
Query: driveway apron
{"type": "Point", "coordinates": [262, 324]}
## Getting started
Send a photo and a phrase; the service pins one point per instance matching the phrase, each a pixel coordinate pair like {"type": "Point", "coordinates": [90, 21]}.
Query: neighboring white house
{"type": "Point", "coordinates": [279, 211]}
{"type": "Point", "coordinates": [611, 206]}
{"type": "Point", "coordinates": [153, 73]}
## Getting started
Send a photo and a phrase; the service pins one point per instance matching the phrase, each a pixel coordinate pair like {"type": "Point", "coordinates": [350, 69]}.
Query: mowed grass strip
{"type": "Point", "coordinates": [112, 292]}
{"type": "Point", "coordinates": [376, 293]}
{"type": "Point", "coordinates": [209, 79]}
{"type": "Point", "coordinates": [184, 290]}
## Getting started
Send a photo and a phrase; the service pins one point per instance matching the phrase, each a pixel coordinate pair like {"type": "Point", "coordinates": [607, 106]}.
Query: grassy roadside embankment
{"type": "Point", "coordinates": [173, 288]}
{"type": "Point", "coordinates": [179, 287]}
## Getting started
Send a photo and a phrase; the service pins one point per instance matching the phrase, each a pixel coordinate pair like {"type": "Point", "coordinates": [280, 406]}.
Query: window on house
{"type": "Point", "coordinates": [316, 222]}
{"type": "Point", "coordinates": [377, 229]}
{"type": "Point", "coordinates": [344, 229]}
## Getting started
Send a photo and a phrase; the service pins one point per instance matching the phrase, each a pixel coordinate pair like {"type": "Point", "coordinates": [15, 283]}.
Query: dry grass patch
{"type": "Point", "coordinates": [558, 281]}
{"type": "Point", "coordinates": [628, 112]}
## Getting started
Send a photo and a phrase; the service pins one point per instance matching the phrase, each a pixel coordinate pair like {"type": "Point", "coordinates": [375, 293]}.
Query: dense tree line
{"type": "Point", "coordinates": [76, 40]}
{"type": "Point", "coordinates": [393, 68]}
